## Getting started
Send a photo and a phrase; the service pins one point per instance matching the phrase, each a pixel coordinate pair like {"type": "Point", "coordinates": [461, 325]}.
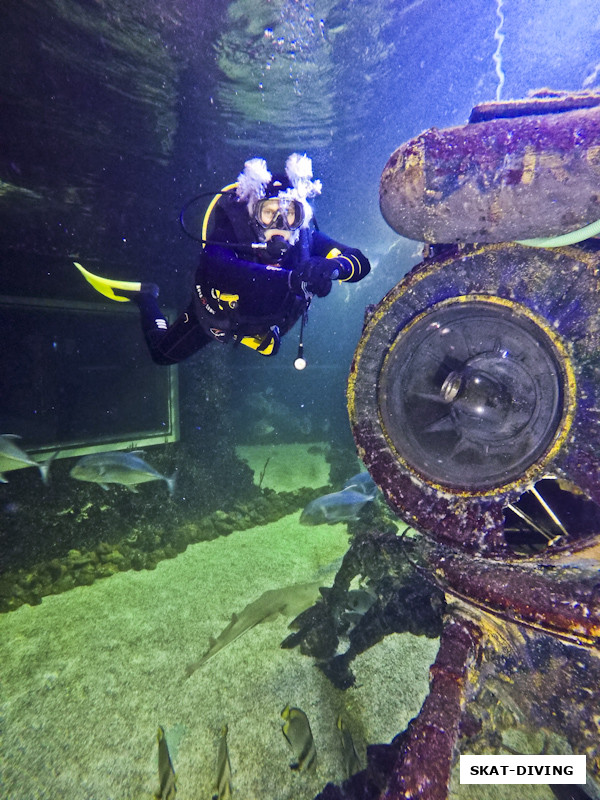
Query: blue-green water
{"type": "Point", "coordinates": [114, 114]}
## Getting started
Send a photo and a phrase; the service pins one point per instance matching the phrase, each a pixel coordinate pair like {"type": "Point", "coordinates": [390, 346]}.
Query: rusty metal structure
{"type": "Point", "coordinates": [474, 399]}
{"type": "Point", "coordinates": [518, 170]}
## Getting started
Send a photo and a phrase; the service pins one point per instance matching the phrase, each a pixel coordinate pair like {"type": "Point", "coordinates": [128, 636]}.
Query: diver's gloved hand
{"type": "Point", "coordinates": [343, 268]}
{"type": "Point", "coordinates": [316, 273]}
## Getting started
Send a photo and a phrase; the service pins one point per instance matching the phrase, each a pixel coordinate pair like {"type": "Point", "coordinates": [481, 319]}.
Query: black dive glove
{"type": "Point", "coordinates": [317, 274]}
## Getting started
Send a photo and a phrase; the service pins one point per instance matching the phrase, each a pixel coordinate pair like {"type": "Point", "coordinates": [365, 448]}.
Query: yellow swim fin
{"type": "Point", "coordinates": [106, 285]}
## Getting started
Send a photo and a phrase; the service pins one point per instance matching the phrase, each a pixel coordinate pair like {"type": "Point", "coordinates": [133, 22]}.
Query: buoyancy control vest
{"type": "Point", "coordinates": [250, 304]}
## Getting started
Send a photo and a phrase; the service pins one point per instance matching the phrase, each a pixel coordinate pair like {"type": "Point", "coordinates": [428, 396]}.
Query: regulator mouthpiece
{"type": "Point", "coordinates": [276, 247]}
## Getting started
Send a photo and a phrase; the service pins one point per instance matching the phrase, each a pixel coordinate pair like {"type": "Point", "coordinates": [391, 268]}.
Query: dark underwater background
{"type": "Point", "coordinates": [113, 116]}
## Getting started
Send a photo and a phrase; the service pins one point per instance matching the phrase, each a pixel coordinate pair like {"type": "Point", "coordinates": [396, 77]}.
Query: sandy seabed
{"type": "Point", "coordinates": [87, 677]}
{"type": "Point", "coordinates": [270, 464]}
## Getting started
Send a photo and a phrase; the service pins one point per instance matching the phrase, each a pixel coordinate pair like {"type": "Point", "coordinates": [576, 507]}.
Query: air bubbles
{"type": "Point", "coordinates": [497, 56]}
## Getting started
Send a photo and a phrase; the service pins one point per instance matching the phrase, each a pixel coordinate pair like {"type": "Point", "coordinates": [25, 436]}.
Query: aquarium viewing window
{"type": "Point", "coordinates": [77, 378]}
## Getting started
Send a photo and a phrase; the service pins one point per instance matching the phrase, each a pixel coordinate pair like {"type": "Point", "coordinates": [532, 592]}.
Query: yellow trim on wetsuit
{"type": "Point", "coordinates": [256, 342]}
{"type": "Point", "coordinates": [231, 299]}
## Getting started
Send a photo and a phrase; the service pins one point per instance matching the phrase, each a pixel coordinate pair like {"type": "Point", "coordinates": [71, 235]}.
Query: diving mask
{"type": "Point", "coordinates": [279, 213]}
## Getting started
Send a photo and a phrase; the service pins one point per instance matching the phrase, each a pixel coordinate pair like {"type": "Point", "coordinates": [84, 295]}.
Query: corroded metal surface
{"type": "Point", "coordinates": [559, 290]}
{"type": "Point", "coordinates": [524, 635]}
{"type": "Point", "coordinates": [499, 179]}
{"type": "Point", "coordinates": [541, 593]}
{"type": "Point", "coordinates": [522, 632]}
{"type": "Point", "coordinates": [423, 765]}
{"type": "Point", "coordinates": [476, 380]}
{"type": "Point", "coordinates": [543, 101]}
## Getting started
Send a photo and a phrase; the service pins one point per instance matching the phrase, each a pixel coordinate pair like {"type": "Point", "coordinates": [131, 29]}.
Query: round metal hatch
{"type": "Point", "coordinates": [471, 393]}
{"type": "Point", "coordinates": [475, 377]}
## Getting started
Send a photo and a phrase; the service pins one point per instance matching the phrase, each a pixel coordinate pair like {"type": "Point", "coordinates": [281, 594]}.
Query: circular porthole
{"type": "Point", "coordinates": [471, 393]}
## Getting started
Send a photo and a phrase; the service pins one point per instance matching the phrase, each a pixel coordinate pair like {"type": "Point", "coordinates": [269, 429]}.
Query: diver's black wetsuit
{"type": "Point", "coordinates": [235, 297]}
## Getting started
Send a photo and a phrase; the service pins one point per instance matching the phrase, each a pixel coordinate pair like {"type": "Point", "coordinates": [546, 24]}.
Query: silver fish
{"type": "Point", "coordinates": [296, 729]}
{"type": "Point", "coordinates": [127, 469]}
{"type": "Point", "coordinates": [223, 789]}
{"type": "Point", "coordinates": [263, 428]}
{"type": "Point", "coordinates": [362, 483]}
{"type": "Point", "coordinates": [336, 507]}
{"type": "Point", "coordinates": [166, 774]}
{"type": "Point", "coordinates": [289, 601]}
{"type": "Point", "coordinates": [12, 457]}
{"type": "Point", "coordinates": [360, 600]}
{"type": "Point", "coordinates": [352, 763]}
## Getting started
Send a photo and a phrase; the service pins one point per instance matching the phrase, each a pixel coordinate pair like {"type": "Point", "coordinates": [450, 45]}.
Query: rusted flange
{"type": "Point", "coordinates": [456, 414]}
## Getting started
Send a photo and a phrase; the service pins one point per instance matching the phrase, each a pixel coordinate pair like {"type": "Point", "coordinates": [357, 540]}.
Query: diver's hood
{"type": "Point", "coordinates": [255, 183]}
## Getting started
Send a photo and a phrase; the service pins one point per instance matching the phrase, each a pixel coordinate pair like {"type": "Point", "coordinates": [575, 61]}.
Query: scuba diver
{"type": "Point", "coordinates": [259, 269]}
